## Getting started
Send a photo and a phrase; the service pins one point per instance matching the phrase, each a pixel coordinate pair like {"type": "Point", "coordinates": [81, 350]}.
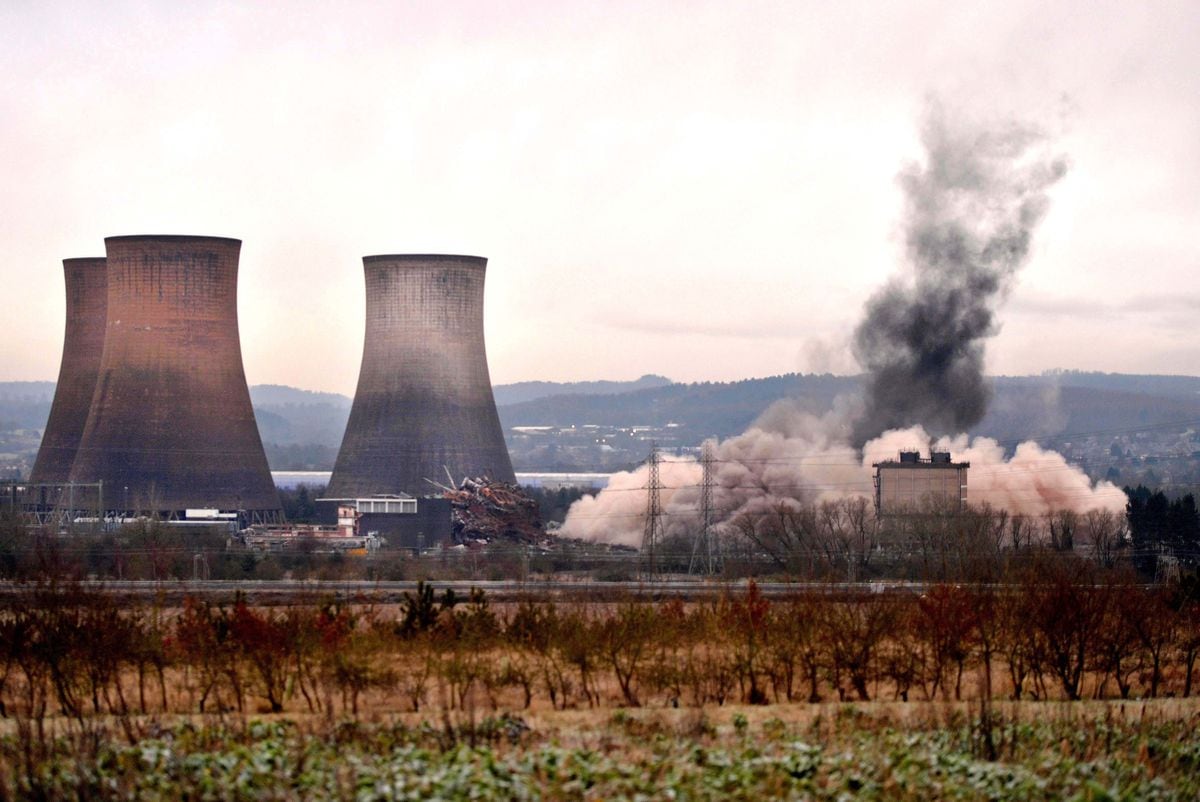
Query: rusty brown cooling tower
{"type": "Point", "coordinates": [424, 404]}
{"type": "Point", "coordinates": [171, 426]}
{"type": "Point", "coordinates": [82, 345]}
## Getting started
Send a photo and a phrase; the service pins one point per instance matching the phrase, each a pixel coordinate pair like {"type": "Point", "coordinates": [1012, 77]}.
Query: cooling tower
{"type": "Point", "coordinates": [424, 405]}
{"type": "Point", "coordinates": [171, 426]}
{"type": "Point", "coordinates": [82, 345]}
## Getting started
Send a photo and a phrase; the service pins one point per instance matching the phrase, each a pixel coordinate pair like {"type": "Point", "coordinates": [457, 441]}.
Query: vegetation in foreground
{"type": "Point", "coordinates": [1120, 753]}
{"type": "Point", "coordinates": [1055, 630]}
{"type": "Point", "coordinates": [731, 698]}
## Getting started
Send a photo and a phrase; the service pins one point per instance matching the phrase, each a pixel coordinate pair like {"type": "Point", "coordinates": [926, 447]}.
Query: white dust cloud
{"type": "Point", "coordinates": [791, 458]}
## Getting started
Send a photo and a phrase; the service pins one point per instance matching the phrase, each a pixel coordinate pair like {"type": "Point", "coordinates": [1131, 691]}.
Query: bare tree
{"type": "Point", "coordinates": [848, 533]}
{"type": "Point", "coordinates": [1103, 532]}
{"type": "Point", "coordinates": [853, 632]}
{"type": "Point", "coordinates": [1023, 532]}
{"type": "Point", "coordinates": [786, 534]}
{"type": "Point", "coordinates": [1063, 525]}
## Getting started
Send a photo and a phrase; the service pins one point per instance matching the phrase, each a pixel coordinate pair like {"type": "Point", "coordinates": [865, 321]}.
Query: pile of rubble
{"type": "Point", "coordinates": [482, 509]}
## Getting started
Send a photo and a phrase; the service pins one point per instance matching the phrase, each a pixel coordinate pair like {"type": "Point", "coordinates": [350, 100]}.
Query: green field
{"type": "Point", "coordinates": [1079, 750]}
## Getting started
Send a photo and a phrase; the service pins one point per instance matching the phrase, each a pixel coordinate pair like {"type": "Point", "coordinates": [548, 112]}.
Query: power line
{"type": "Point", "coordinates": [707, 545]}
{"type": "Point", "coordinates": [653, 530]}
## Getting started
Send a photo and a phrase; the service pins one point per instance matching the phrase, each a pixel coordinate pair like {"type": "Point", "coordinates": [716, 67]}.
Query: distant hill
{"type": "Point", "coordinates": [1184, 386]}
{"type": "Point", "coordinates": [300, 429]}
{"type": "Point", "coordinates": [32, 391]}
{"type": "Point", "coordinates": [1023, 407]}
{"type": "Point", "coordinates": [1050, 410]}
{"type": "Point", "coordinates": [25, 405]}
{"type": "Point", "coordinates": [702, 409]}
{"type": "Point", "coordinates": [521, 392]}
{"type": "Point", "coordinates": [288, 415]}
{"type": "Point", "coordinates": [283, 395]}
{"type": "Point", "coordinates": [303, 429]}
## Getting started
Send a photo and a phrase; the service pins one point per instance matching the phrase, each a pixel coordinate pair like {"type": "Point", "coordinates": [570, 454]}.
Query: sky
{"type": "Point", "coordinates": [702, 190]}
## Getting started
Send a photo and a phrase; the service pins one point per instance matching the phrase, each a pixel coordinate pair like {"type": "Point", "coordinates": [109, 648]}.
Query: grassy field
{"type": "Point", "coordinates": [1067, 689]}
{"type": "Point", "coordinates": [926, 751]}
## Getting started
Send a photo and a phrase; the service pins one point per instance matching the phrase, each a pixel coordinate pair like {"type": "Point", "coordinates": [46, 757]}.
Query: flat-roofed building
{"type": "Point", "coordinates": [912, 484]}
{"type": "Point", "coordinates": [402, 520]}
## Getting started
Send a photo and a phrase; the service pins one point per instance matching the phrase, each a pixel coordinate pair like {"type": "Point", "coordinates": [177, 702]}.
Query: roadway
{"type": "Point", "coordinates": [282, 592]}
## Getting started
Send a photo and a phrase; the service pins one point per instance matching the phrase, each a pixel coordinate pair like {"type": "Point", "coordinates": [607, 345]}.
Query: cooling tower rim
{"type": "Point", "coordinates": [84, 261]}
{"type": "Point", "coordinates": [423, 257]}
{"type": "Point", "coordinates": [175, 238]}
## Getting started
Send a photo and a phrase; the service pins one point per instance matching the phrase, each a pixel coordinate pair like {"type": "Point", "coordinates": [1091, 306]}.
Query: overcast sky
{"type": "Point", "coordinates": [706, 191]}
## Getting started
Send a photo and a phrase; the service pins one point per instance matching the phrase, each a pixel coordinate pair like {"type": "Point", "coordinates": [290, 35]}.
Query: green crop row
{"type": "Point", "coordinates": [626, 758]}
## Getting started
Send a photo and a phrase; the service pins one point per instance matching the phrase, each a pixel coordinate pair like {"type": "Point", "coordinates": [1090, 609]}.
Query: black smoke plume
{"type": "Point", "coordinates": [971, 211]}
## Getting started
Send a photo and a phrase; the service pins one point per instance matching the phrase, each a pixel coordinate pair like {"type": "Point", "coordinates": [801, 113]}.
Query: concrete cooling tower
{"type": "Point", "coordinates": [171, 426]}
{"type": "Point", "coordinates": [424, 404]}
{"type": "Point", "coordinates": [82, 345]}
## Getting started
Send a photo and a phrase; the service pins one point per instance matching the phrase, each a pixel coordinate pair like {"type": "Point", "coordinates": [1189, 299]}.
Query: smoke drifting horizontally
{"type": "Point", "coordinates": [972, 208]}
{"type": "Point", "coordinates": [788, 459]}
{"type": "Point", "coordinates": [971, 211]}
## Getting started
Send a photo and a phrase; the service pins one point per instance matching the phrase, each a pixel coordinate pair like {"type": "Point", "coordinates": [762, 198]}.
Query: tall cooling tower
{"type": "Point", "coordinates": [424, 405]}
{"type": "Point", "coordinates": [171, 426]}
{"type": "Point", "coordinates": [82, 346]}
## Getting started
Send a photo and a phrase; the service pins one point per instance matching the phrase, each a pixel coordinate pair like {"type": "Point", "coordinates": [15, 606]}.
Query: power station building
{"type": "Point", "coordinates": [424, 410]}
{"type": "Point", "coordinates": [83, 344]}
{"type": "Point", "coordinates": [170, 425]}
{"type": "Point", "coordinates": [912, 484]}
{"type": "Point", "coordinates": [152, 404]}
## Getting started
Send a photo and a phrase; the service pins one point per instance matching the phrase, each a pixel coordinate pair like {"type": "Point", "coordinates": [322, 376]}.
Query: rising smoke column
{"type": "Point", "coordinates": [970, 215]}
{"type": "Point", "coordinates": [971, 211]}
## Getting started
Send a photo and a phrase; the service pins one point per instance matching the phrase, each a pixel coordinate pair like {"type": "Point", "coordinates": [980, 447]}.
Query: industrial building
{"type": "Point", "coordinates": [912, 484]}
{"type": "Point", "coordinates": [83, 344]}
{"type": "Point", "coordinates": [170, 425]}
{"type": "Point", "coordinates": [346, 537]}
{"type": "Point", "coordinates": [423, 411]}
{"type": "Point", "coordinates": [398, 519]}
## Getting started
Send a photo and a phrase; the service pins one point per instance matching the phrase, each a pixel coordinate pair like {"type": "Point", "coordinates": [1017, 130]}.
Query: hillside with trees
{"type": "Point", "coordinates": [1145, 418]}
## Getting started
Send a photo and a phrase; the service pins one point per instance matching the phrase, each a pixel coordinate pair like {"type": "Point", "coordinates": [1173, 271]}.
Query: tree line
{"type": "Point", "coordinates": [838, 540]}
{"type": "Point", "coordinates": [1053, 629]}
{"type": "Point", "coordinates": [1159, 525]}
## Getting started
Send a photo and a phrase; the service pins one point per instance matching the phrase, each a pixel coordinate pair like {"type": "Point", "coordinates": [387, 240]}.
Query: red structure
{"type": "Point", "coordinates": [83, 343]}
{"type": "Point", "coordinates": [171, 426]}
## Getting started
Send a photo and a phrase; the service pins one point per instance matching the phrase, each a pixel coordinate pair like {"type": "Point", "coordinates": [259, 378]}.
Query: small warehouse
{"type": "Point", "coordinates": [401, 520]}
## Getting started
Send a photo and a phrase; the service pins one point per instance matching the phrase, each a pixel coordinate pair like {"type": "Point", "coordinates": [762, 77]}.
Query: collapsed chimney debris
{"type": "Point", "coordinates": [487, 510]}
